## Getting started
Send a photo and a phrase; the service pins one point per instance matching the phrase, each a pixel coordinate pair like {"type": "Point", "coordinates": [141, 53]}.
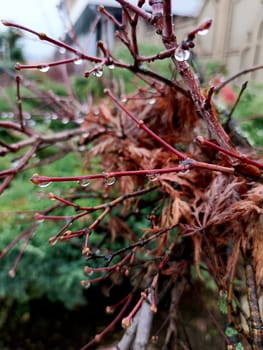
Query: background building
{"type": "Point", "coordinates": [235, 38]}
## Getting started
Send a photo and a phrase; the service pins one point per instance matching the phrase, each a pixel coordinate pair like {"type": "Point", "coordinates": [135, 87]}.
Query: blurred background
{"type": "Point", "coordinates": [44, 306]}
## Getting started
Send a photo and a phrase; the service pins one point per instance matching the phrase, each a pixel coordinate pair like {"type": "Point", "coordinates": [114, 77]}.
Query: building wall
{"type": "Point", "coordinates": [236, 36]}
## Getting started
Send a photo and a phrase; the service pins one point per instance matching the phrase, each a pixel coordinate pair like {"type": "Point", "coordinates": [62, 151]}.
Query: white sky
{"type": "Point", "coordinates": [40, 15]}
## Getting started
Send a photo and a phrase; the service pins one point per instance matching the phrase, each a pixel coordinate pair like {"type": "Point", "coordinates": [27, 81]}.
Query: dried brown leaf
{"type": "Point", "coordinates": [104, 144]}
{"type": "Point", "coordinates": [197, 242]}
{"type": "Point", "coordinates": [119, 228]}
{"type": "Point", "coordinates": [258, 248]}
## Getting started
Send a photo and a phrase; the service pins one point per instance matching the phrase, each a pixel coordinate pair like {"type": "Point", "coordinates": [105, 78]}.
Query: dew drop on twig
{"type": "Point", "coordinates": [79, 120]}
{"type": "Point", "coordinates": [85, 284]}
{"type": "Point", "coordinates": [44, 69]}
{"type": "Point", "coordinates": [109, 181]}
{"type": "Point", "coordinates": [98, 73]}
{"type": "Point", "coordinates": [81, 148]}
{"type": "Point", "coordinates": [84, 182]}
{"type": "Point", "coordinates": [78, 61]}
{"type": "Point", "coordinates": [181, 54]}
{"type": "Point", "coordinates": [152, 101]}
{"type": "Point", "coordinates": [152, 177]}
{"type": "Point", "coordinates": [203, 32]}
{"type": "Point", "coordinates": [111, 66]}
{"type": "Point", "coordinates": [85, 135]}
{"type": "Point", "coordinates": [44, 184]}
{"type": "Point", "coordinates": [96, 111]}
{"type": "Point", "coordinates": [184, 172]}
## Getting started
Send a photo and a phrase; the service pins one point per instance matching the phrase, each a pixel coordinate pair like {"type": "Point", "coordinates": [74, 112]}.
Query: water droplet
{"type": "Point", "coordinates": [111, 66]}
{"type": "Point", "coordinates": [15, 163]}
{"type": "Point", "coordinates": [78, 61]}
{"type": "Point", "coordinates": [181, 54]}
{"type": "Point", "coordinates": [12, 273]}
{"type": "Point", "coordinates": [85, 284]}
{"type": "Point", "coordinates": [124, 99]}
{"type": "Point", "coordinates": [81, 148]}
{"type": "Point", "coordinates": [44, 69]}
{"type": "Point", "coordinates": [62, 50]}
{"type": "Point", "coordinates": [44, 184]}
{"type": "Point", "coordinates": [79, 120]}
{"type": "Point", "coordinates": [84, 182]}
{"type": "Point", "coordinates": [152, 101]}
{"type": "Point", "coordinates": [153, 177]}
{"type": "Point", "coordinates": [32, 123]}
{"type": "Point", "coordinates": [91, 273]}
{"type": "Point", "coordinates": [187, 161]}
{"type": "Point", "coordinates": [27, 115]}
{"type": "Point", "coordinates": [51, 196]}
{"type": "Point", "coordinates": [85, 135]}
{"type": "Point", "coordinates": [109, 181]}
{"type": "Point", "coordinates": [96, 111]}
{"type": "Point", "coordinates": [203, 31]}
{"type": "Point", "coordinates": [223, 293]}
{"type": "Point", "coordinates": [53, 241]}
{"type": "Point", "coordinates": [65, 121]}
{"type": "Point", "coordinates": [184, 172]}
{"type": "Point", "coordinates": [98, 73]}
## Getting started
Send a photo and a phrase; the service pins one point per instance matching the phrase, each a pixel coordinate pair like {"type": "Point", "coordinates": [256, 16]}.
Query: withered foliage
{"type": "Point", "coordinates": [170, 187]}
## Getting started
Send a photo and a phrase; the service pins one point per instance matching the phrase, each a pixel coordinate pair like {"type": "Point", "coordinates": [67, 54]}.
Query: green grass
{"type": "Point", "coordinates": [54, 272]}
{"type": "Point", "coordinates": [249, 113]}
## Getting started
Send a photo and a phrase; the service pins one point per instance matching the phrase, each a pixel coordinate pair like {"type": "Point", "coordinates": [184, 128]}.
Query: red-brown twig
{"type": "Point", "coordinates": [237, 75]}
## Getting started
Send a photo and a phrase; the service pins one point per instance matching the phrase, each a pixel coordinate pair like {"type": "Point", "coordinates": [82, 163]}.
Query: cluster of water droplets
{"type": "Point", "coordinates": [182, 54]}
{"type": "Point", "coordinates": [7, 115]}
